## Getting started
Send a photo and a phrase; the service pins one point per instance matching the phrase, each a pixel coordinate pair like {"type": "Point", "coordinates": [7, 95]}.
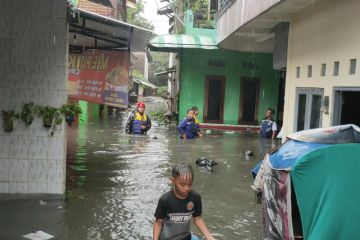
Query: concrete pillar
{"type": "Point", "coordinates": [33, 58]}
{"type": "Point", "coordinates": [281, 31]}
{"type": "Point", "coordinates": [146, 68]}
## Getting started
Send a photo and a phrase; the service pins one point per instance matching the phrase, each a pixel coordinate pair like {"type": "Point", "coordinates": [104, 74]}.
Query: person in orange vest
{"type": "Point", "coordinates": [138, 122]}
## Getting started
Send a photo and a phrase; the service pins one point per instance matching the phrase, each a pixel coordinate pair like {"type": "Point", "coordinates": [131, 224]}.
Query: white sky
{"type": "Point", "coordinates": [160, 22]}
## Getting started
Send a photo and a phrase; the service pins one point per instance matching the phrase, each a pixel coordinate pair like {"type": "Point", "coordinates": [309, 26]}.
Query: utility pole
{"type": "Point", "coordinates": [120, 10]}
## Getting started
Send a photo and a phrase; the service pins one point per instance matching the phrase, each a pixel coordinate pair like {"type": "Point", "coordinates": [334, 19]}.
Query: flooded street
{"type": "Point", "coordinates": [115, 180]}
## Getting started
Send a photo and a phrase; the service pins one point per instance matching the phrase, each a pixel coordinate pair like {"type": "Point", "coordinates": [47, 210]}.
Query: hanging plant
{"type": "Point", "coordinates": [58, 117]}
{"type": "Point", "coordinates": [8, 117]}
{"type": "Point", "coordinates": [70, 110]}
{"type": "Point", "coordinates": [47, 113]}
{"type": "Point", "coordinates": [28, 113]}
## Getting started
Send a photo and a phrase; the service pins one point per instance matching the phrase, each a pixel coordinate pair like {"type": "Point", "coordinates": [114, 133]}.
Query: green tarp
{"type": "Point", "coordinates": [327, 186]}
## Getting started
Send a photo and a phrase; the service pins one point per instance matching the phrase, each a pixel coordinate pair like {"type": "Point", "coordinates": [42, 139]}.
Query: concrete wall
{"type": "Point", "coordinates": [324, 32]}
{"type": "Point", "coordinates": [194, 69]}
{"type": "Point", "coordinates": [33, 57]}
{"type": "Point", "coordinates": [238, 14]}
{"type": "Point", "coordinates": [281, 32]}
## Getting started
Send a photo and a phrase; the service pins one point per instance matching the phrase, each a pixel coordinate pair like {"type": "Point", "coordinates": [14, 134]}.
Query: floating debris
{"type": "Point", "coordinates": [249, 153]}
{"type": "Point", "coordinates": [207, 163]}
{"type": "Point", "coordinates": [39, 235]}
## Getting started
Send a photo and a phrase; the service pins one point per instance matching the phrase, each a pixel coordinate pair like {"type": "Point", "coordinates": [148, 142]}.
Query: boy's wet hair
{"type": "Point", "coordinates": [271, 110]}
{"type": "Point", "coordinates": [195, 108]}
{"type": "Point", "coordinates": [182, 169]}
{"type": "Point", "coordinates": [190, 109]}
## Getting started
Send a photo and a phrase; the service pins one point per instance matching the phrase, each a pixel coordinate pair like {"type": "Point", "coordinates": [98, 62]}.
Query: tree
{"type": "Point", "coordinates": [159, 64]}
{"type": "Point", "coordinates": [160, 61]}
{"type": "Point", "coordinates": [134, 17]}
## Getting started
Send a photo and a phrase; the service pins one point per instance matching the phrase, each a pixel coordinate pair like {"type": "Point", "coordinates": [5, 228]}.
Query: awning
{"type": "Point", "coordinates": [145, 83]}
{"type": "Point", "coordinates": [88, 30]}
{"type": "Point", "coordinates": [174, 42]}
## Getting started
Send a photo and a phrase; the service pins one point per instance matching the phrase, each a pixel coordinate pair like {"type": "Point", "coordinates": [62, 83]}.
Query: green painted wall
{"type": "Point", "coordinates": [90, 111]}
{"type": "Point", "coordinates": [194, 68]}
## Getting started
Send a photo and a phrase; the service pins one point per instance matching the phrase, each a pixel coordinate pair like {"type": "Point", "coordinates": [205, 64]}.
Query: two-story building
{"type": "Point", "coordinates": [231, 89]}
{"type": "Point", "coordinates": [315, 41]}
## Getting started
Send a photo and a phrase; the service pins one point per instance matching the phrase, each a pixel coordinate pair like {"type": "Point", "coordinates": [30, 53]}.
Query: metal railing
{"type": "Point", "coordinates": [223, 6]}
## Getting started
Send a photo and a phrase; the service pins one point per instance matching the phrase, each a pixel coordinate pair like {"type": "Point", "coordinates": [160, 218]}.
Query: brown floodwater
{"type": "Point", "coordinates": [114, 181]}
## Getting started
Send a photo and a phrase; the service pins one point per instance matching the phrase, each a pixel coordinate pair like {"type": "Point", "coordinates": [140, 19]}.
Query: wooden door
{"type": "Point", "coordinates": [214, 99]}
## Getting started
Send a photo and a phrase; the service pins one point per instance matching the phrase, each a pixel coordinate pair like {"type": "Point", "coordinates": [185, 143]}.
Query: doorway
{"type": "Point", "coordinates": [308, 108]}
{"type": "Point", "coordinates": [214, 99]}
{"type": "Point", "coordinates": [345, 112]}
{"type": "Point", "coordinates": [249, 100]}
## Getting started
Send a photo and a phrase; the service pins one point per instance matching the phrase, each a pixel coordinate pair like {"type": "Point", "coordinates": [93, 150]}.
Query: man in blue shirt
{"type": "Point", "coordinates": [268, 126]}
{"type": "Point", "coordinates": [187, 127]}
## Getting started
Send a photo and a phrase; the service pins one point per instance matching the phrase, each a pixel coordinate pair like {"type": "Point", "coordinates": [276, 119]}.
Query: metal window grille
{"type": "Point", "coordinates": [352, 66]}
{"type": "Point", "coordinates": [297, 72]}
{"type": "Point", "coordinates": [309, 71]}
{"type": "Point", "coordinates": [323, 69]}
{"type": "Point", "coordinates": [223, 5]}
{"type": "Point", "coordinates": [336, 68]}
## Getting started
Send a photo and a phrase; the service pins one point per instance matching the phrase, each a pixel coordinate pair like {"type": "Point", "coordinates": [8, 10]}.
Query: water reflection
{"type": "Point", "coordinates": [125, 175]}
{"type": "Point", "coordinates": [114, 181]}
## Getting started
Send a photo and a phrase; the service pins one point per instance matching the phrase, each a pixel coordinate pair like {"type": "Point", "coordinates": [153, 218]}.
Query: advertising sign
{"type": "Point", "coordinates": [99, 77]}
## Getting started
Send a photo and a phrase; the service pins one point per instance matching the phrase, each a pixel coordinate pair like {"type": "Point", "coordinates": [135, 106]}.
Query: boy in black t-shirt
{"type": "Point", "coordinates": [177, 207]}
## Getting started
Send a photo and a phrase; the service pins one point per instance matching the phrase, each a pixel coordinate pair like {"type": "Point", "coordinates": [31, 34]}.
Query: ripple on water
{"type": "Point", "coordinates": [127, 174]}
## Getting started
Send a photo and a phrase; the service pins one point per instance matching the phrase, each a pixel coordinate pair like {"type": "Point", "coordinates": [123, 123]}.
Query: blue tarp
{"type": "Point", "coordinates": [286, 157]}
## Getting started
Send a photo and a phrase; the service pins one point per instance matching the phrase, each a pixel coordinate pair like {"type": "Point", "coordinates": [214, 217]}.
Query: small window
{"type": "Point", "coordinates": [352, 66]}
{"type": "Point", "coordinates": [323, 69]}
{"type": "Point", "coordinates": [336, 68]}
{"type": "Point", "coordinates": [297, 72]}
{"type": "Point", "coordinates": [309, 71]}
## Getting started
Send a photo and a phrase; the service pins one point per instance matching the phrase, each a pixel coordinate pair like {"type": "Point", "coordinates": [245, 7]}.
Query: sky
{"type": "Point", "coordinates": [160, 22]}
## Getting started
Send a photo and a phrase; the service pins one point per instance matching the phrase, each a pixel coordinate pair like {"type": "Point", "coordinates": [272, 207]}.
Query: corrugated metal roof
{"type": "Point", "coordinates": [172, 42]}
{"type": "Point", "coordinates": [145, 83]}
{"type": "Point", "coordinates": [89, 30]}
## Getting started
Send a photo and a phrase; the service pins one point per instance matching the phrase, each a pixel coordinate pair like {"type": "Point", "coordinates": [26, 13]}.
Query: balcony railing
{"type": "Point", "coordinates": [203, 18]}
{"type": "Point", "coordinates": [223, 6]}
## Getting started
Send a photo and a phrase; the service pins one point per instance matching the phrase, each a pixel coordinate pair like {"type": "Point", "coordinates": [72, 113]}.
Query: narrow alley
{"type": "Point", "coordinates": [114, 181]}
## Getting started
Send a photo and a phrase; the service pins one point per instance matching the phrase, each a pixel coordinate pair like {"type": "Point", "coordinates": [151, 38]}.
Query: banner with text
{"type": "Point", "coordinates": [100, 77]}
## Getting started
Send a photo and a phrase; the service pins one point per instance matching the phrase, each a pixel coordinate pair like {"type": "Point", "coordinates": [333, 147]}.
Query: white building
{"type": "Point", "coordinates": [315, 41]}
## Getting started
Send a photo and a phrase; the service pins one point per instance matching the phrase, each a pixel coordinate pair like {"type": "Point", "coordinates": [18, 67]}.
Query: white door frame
{"type": "Point", "coordinates": [309, 92]}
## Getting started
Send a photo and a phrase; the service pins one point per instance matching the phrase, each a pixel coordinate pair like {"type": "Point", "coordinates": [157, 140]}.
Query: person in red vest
{"type": "Point", "coordinates": [138, 122]}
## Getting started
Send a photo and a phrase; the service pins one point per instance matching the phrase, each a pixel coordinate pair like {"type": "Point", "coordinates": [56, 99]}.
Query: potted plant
{"type": "Point", "coordinates": [48, 113]}
{"type": "Point", "coordinates": [70, 110]}
{"type": "Point", "coordinates": [28, 113]}
{"type": "Point", "coordinates": [8, 117]}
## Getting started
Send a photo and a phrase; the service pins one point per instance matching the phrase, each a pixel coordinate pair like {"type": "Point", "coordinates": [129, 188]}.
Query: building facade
{"type": "Point", "coordinates": [323, 77]}
{"type": "Point", "coordinates": [231, 89]}
{"type": "Point", "coordinates": [315, 43]}
{"type": "Point", "coordinates": [228, 87]}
